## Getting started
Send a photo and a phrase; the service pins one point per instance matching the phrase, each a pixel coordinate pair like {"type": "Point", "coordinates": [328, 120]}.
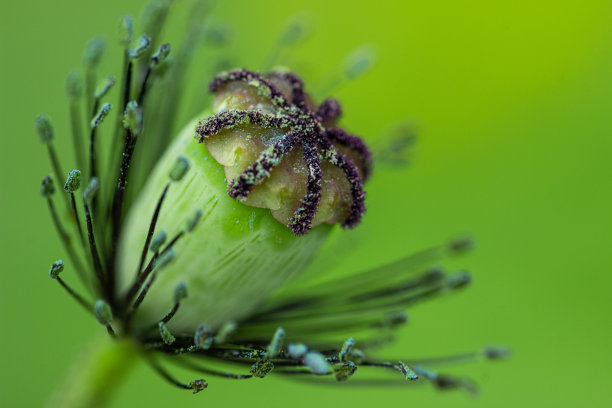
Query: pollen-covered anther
{"type": "Point", "coordinates": [271, 137]}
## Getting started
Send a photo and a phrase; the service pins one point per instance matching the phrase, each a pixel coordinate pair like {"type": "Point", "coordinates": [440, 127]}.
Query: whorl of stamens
{"type": "Point", "coordinates": [302, 218]}
{"type": "Point", "coordinates": [259, 171]}
{"type": "Point", "coordinates": [230, 119]}
{"type": "Point", "coordinates": [329, 110]}
{"type": "Point", "coordinates": [264, 88]}
{"type": "Point", "coordinates": [354, 143]}
{"type": "Point", "coordinates": [333, 156]}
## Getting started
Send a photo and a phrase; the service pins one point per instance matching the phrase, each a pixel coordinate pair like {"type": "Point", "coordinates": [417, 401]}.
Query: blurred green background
{"type": "Point", "coordinates": [512, 103]}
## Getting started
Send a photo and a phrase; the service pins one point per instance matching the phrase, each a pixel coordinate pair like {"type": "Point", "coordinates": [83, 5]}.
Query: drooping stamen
{"type": "Point", "coordinates": [196, 386]}
{"type": "Point", "coordinates": [54, 272]}
{"type": "Point", "coordinates": [205, 370]}
{"type": "Point", "coordinates": [167, 337]}
{"type": "Point", "coordinates": [263, 86]}
{"type": "Point", "coordinates": [261, 169]}
{"type": "Point", "coordinates": [329, 110]}
{"type": "Point", "coordinates": [229, 119]}
{"type": "Point", "coordinates": [337, 135]}
{"type": "Point", "coordinates": [74, 90]}
{"type": "Point", "coordinates": [333, 156]}
{"type": "Point", "coordinates": [302, 218]}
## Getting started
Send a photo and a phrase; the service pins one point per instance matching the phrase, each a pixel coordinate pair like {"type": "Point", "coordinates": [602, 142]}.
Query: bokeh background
{"type": "Point", "coordinates": [512, 104]}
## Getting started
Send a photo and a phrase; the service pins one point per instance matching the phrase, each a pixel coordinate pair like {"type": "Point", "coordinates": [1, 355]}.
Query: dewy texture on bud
{"type": "Point", "coordinates": [267, 156]}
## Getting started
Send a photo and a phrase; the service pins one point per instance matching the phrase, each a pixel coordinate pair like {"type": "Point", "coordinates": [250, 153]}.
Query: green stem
{"type": "Point", "coordinates": [96, 374]}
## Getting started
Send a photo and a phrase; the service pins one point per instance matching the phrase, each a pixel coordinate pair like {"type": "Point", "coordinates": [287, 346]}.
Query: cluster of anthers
{"type": "Point", "coordinates": [305, 127]}
{"type": "Point", "coordinates": [303, 331]}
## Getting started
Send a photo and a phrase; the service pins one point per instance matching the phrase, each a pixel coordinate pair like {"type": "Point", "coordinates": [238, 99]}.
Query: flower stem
{"type": "Point", "coordinates": [96, 374]}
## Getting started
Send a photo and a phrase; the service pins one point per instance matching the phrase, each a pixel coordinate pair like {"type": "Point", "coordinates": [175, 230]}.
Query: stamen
{"type": "Point", "coordinates": [317, 363]}
{"type": "Point", "coordinates": [125, 30]}
{"type": "Point", "coordinates": [408, 372]}
{"type": "Point", "coordinates": [54, 272]}
{"type": "Point", "coordinates": [261, 169]}
{"type": "Point", "coordinates": [203, 338]}
{"type": "Point", "coordinates": [193, 221]}
{"type": "Point", "coordinates": [72, 184]}
{"type": "Point", "coordinates": [74, 90]}
{"type": "Point", "coordinates": [95, 122]}
{"type": "Point", "coordinates": [344, 371]}
{"type": "Point", "coordinates": [224, 374]}
{"type": "Point", "coordinates": [160, 55]}
{"type": "Point", "coordinates": [92, 56]}
{"type": "Point", "coordinates": [180, 293]}
{"type": "Point", "coordinates": [275, 345]}
{"type": "Point", "coordinates": [151, 230]}
{"type": "Point", "coordinates": [297, 350]}
{"type": "Point", "coordinates": [142, 43]}
{"type": "Point", "coordinates": [261, 368]}
{"type": "Point", "coordinates": [159, 263]}
{"type": "Point", "coordinates": [346, 349]}
{"type": "Point", "coordinates": [225, 331]}
{"type": "Point", "coordinates": [104, 315]}
{"type": "Point", "coordinates": [167, 337]}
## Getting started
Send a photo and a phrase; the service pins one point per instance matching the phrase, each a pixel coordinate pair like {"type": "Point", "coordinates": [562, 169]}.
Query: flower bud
{"type": "Point", "coordinates": [268, 154]}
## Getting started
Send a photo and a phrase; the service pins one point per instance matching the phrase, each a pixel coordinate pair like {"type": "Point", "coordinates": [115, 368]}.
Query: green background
{"type": "Point", "coordinates": [512, 105]}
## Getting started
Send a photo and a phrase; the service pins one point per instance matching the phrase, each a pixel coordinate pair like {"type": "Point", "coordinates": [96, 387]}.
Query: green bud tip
{"type": "Point", "coordinates": [408, 372]}
{"type": "Point", "coordinates": [180, 292]}
{"type": "Point", "coordinates": [132, 118]}
{"type": "Point", "coordinates": [203, 337]}
{"type": "Point", "coordinates": [165, 258]}
{"type": "Point", "coordinates": [47, 187]}
{"type": "Point", "coordinates": [142, 43]}
{"type": "Point", "coordinates": [158, 240]}
{"type": "Point", "coordinates": [276, 343]}
{"type": "Point", "coordinates": [317, 363]}
{"type": "Point", "coordinates": [126, 30]}
{"type": "Point", "coordinates": [104, 86]}
{"type": "Point", "coordinates": [297, 350]}
{"type": "Point", "coordinates": [44, 128]}
{"type": "Point", "coordinates": [180, 168]}
{"type": "Point", "coordinates": [165, 334]}
{"type": "Point", "coordinates": [91, 189]}
{"type": "Point", "coordinates": [73, 182]}
{"type": "Point", "coordinates": [346, 349]}
{"type": "Point", "coordinates": [194, 219]}
{"type": "Point", "coordinates": [344, 371]}
{"type": "Point", "coordinates": [261, 368]}
{"type": "Point", "coordinates": [161, 54]}
{"type": "Point", "coordinates": [95, 122]}
{"type": "Point", "coordinates": [93, 52]}
{"type": "Point", "coordinates": [56, 269]}
{"type": "Point", "coordinates": [225, 331]}
{"type": "Point", "coordinates": [103, 312]}
{"type": "Point", "coordinates": [74, 85]}
{"type": "Point", "coordinates": [198, 385]}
